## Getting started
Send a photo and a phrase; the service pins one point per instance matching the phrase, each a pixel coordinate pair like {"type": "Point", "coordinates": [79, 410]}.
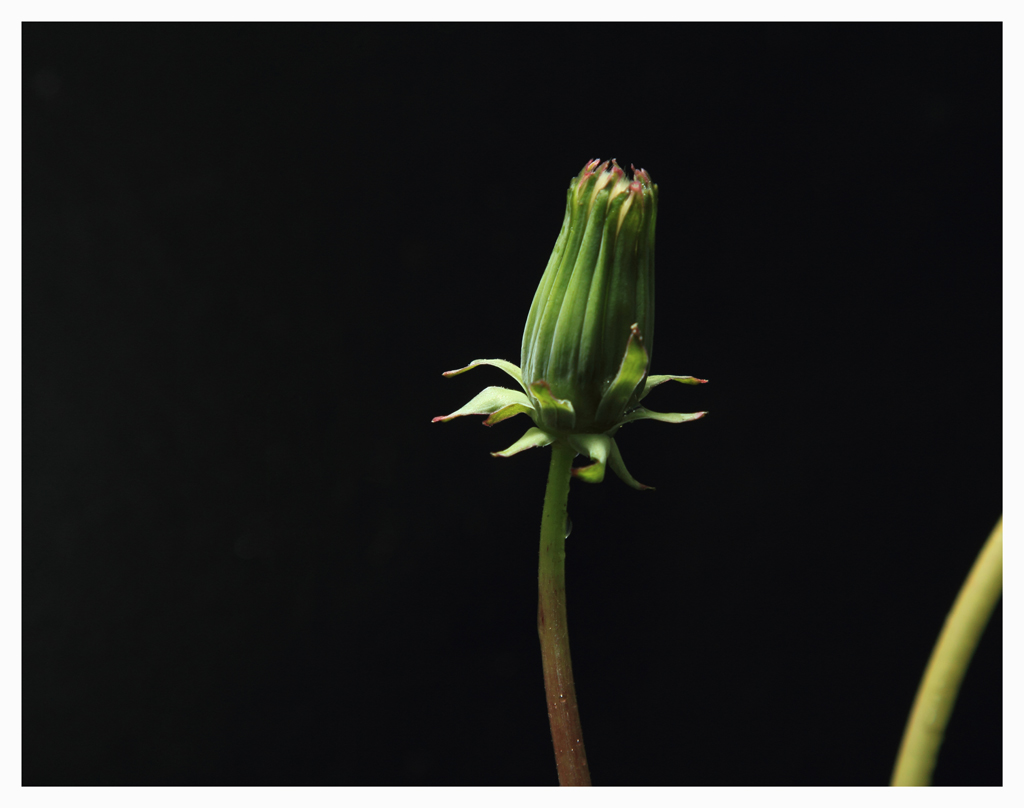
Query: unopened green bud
{"type": "Point", "coordinates": [596, 298]}
{"type": "Point", "coordinates": [587, 343]}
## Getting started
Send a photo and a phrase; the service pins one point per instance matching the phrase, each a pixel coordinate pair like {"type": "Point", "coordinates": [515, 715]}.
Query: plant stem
{"type": "Point", "coordinates": [948, 664]}
{"type": "Point", "coordinates": [552, 627]}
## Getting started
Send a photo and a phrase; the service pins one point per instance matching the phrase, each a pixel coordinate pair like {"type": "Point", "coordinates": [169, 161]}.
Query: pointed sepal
{"type": "Point", "coordinates": [615, 461]}
{"type": "Point", "coordinates": [507, 412]}
{"type": "Point", "coordinates": [631, 372]}
{"type": "Point", "coordinates": [498, 402]}
{"type": "Point", "coordinates": [534, 437]}
{"type": "Point", "coordinates": [555, 413]}
{"type": "Point", "coordinates": [642, 413]}
{"type": "Point", "coordinates": [654, 381]}
{"type": "Point", "coordinates": [502, 364]}
{"type": "Point", "coordinates": [597, 448]}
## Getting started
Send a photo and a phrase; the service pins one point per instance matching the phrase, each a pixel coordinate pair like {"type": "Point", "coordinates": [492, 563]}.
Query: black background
{"type": "Point", "coordinates": [250, 251]}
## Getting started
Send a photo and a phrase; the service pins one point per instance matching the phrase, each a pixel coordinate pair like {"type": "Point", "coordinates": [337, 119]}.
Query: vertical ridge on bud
{"type": "Point", "coordinates": [569, 333]}
{"type": "Point", "coordinates": [645, 263]}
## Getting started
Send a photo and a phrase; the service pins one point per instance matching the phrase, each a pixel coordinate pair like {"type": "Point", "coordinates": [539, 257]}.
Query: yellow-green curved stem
{"type": "Point", "coordinates": [948, 664]}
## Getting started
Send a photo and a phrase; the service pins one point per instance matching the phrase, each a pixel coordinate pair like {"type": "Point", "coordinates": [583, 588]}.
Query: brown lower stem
{"type": "Point", "coordinates": [563, 713]}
